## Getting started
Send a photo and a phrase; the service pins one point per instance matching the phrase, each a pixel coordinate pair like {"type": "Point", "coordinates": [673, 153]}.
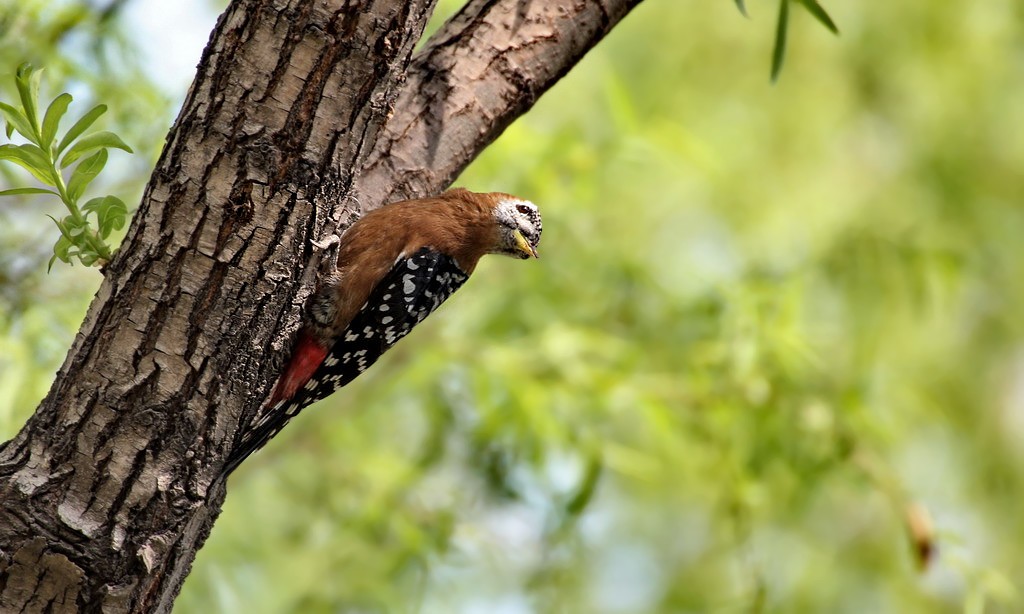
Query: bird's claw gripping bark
{"type": "Point", "coordinates": [328, 241]}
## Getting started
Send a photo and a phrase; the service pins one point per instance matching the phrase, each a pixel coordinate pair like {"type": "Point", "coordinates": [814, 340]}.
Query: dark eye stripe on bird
{"type": "Point", "coordinates": [396, 265]}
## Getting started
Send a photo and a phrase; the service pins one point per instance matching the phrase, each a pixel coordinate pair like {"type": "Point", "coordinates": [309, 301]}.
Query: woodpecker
{"type": "Point", "coordinates": [395, 266]}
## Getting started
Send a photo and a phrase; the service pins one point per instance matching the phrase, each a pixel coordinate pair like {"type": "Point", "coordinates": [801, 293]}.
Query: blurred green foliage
{"type": "Point", "coordinates": [767, 322]}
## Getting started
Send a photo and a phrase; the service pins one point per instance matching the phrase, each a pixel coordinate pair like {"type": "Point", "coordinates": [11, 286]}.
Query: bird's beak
{"type": "Point", "coordinates": [524, 245]}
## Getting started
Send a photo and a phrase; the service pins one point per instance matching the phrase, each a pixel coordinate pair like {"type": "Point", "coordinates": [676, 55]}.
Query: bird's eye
{"type": "Point", "coordinates": [523, 209]}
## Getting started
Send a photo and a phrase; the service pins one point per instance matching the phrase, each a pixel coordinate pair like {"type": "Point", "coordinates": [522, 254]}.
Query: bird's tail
{"type": "Point", "coordinates": [284, 403]}
{"type": "Point", "coordinates": [269, 423]}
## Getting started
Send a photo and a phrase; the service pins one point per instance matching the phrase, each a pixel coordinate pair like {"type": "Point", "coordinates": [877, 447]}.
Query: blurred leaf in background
{"type": "Point", "coordinates": [772, 325]}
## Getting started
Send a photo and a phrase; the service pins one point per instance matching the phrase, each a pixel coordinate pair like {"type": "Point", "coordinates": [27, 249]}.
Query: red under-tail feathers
{"type": "Point", "coordinates": [305, 360]}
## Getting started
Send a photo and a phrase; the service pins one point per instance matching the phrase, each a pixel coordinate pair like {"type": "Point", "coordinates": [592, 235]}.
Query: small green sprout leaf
{"type": "Point", "coordinates": [16, 120]}
{"type": "Point", "coordinates": [742, 7]}
{"type": "Point", "coordinates": [60, 226]}
{"type": "Point", "coordinates": [84, 173]}
{"type": "Point", "coordinates": [781, 28]}
{"type": "Point", "coordinates": [72, 227]}
{"type": "Point", "coordinates": [51, 121]}
{"type": "Point", "coordinates": [20, 191]}
{"type": "Point", "coordinates": [60, 252]}
{"type": "Point", "coordinates": [111, 213]}
{"type": "Point", "coordinates": [819, 13]}
{"type": "Point", "coordinates": [95, 140]}
{"type": "Point", "coordinates": [27, 80]}
{"type": "Point", "coordinates": [88, 257]}
{"type": "Point", "coordinates": [81, 126]}
{"type": "Point", "coordinates": [29, 157]}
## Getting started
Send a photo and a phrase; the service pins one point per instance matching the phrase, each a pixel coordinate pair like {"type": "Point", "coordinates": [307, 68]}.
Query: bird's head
{"type": "Point", "coordinates": [519, 227]}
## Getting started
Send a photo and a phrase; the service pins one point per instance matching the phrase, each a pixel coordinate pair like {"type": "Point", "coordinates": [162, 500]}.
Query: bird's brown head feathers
{"type": "Point", "coordinates": [512, 225]}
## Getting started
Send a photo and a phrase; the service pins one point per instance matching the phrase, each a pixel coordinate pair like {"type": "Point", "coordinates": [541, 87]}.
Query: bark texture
{"type": "Point", "coordinates": [487, 66]}
{"type": "Point", "coordinates": [113, 485]}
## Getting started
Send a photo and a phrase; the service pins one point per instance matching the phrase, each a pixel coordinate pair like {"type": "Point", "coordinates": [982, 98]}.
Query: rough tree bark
{"type": "Point", "coordinates": [298, 118]}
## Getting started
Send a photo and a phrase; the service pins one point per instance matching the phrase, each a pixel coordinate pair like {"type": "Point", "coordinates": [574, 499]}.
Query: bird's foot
{"type": "Point", "coordinates": [328, 241]}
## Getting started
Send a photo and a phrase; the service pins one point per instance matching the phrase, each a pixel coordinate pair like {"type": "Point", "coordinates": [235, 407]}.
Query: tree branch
{"type": "Point", "coordinates": [487, 66]}
{"type": "Point", "coordinates": [112, 486]}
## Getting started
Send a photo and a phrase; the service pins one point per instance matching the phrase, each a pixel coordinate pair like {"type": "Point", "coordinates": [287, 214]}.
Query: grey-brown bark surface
{"type": "Point", "coordinates": [485, 68]}
{"type": "Point", "coordinates": [112, 486]}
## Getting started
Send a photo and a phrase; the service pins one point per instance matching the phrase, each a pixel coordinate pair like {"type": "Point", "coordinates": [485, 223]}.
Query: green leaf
{"type": "Point", "coordinates": [81, 126]}
{"type": "Point", "coordinates": [819, 13]}
{"type": "Point", "coordinates": [95, 140]}
{"type": "Point", "coordinates": [85, 173]}
{"type": "Point", "coordinates": [70, 227]}
{"type": "Point", "coordinates": [779, 52]}
{"type": "Point", "coordinates": [60, 248]}
{"type": "Point", "coordinates": [29, 157]}
{"type": "Point", "coordinates": [80, 240]}
{"type": "Point", "coordinates": [742, 7]}
{"type": "Point", "coordinates": [60, 251]}
{"type": "Point", "coordinates": [17, 191]}
{"type": "Point", "coordinates": [27, 80]}
{"type": "Point", "coordinates": [51, 121]}
{"type": "Point", "coordinates": [586, 488]}
{"type": "Point", "coordinates": [60, 225]}
{"type": "Point", "coordinates": [88, 257]}
{"type": "Point", "coordinates": [16, 120]}
{"type": "Point", "coordinates": [111, 213]}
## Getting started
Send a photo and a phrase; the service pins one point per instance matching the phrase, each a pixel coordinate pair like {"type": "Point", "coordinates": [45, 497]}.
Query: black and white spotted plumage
{"type": "Point", "coordinates": [415, 287]}
{"type": "Point", "coordinates": [394, 266]}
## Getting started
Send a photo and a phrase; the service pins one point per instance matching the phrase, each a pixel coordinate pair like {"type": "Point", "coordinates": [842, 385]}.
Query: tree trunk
{"type": "Point", "coordinates": [113, 485]}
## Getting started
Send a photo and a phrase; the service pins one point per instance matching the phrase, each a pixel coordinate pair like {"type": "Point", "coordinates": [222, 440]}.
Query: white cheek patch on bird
{"type": "Point", "coordinates": [412, 289]}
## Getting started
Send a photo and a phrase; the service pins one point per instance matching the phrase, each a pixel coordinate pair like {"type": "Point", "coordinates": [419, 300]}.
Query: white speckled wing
{"type": "Point", "coordinates": [413, 288]}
